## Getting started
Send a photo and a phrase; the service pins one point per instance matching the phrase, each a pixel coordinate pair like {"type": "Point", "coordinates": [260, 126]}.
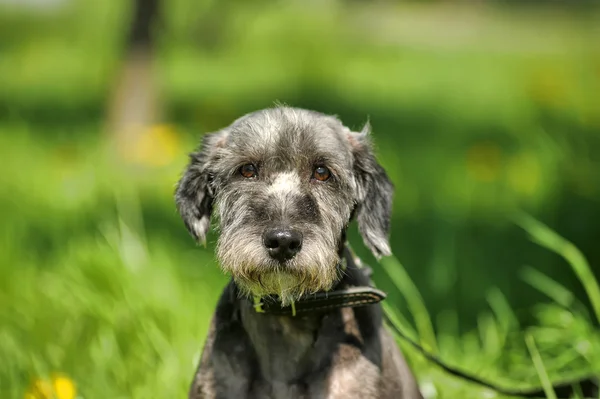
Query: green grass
{"type": "Point", "coordinates": [539, 366]}
{"type": "Point", "coordinates": [545, 237]}
{"type": "Point", "coordinates": [99, 280]}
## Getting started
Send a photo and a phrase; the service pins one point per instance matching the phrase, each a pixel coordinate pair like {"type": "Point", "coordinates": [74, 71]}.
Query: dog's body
{"type": "Point", "coordinates": [344, 353]}
{"type": "Point", "coordinates": [285, 184]}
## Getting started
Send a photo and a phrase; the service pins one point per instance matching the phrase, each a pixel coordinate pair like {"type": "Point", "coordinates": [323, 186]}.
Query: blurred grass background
{"type": "Point", "coordinates": [479, 109]}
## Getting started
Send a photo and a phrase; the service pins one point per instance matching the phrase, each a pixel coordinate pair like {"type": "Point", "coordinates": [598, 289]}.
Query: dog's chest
{"type": "Point", "coordinates": [304, 358]}
{"type": "Point", "coordinates": [358, 379]}
{"type": "Point", "coordinates": [284, 348]}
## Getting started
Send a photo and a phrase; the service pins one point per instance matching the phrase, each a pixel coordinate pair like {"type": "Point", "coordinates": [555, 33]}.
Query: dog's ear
{"type": "Point", "coordinates": [374, 193]}
{"type": "Point", "coordinates": [194, 194]}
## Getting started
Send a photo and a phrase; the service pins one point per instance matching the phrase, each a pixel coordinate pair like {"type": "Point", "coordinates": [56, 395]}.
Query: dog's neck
{"type": "Point", "coordinates": [301, 340]}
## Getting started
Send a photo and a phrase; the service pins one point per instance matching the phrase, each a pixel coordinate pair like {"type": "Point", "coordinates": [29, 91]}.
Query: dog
{"type": "Point", "coordinates": [299, 318]}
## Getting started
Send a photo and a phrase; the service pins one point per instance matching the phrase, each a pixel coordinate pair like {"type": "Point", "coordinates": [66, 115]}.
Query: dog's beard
{"type": "Point", "coordinates": [286, 286]}
{"type": "Point", "coordinates": [314, 269]}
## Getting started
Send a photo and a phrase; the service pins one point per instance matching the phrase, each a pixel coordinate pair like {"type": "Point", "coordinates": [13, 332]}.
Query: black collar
{"type": "Point", "coordinates": [351, 297]}
{"type": "Point", "coordinates": [353, 291]}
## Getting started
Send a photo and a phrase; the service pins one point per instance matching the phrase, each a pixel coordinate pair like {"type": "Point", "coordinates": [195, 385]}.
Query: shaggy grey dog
{"type": "Point", "coordinates": [283, 184]}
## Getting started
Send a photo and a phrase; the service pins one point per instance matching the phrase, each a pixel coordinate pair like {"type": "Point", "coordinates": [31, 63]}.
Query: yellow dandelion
{"type": "Point", "coordinates": [58, 387]}
{"type": "Point", "coordinates": [64, 387]}
{"type": "Point", "coordinates": [548, 87]}
{"type": "Point", "coordinates": [158, 146]}
{"type": "Point", "coordinates": [524, 174]}
{"type": "Point", "coordinates": [40, 389]}
{"type": "Point", "coordinates": [484, 161]}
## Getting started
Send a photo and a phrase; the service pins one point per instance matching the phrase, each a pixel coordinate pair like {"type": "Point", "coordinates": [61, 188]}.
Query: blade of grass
{"type": "Point", "coordinates": [547, 286]}
{"type": "Point", "coordinates": [539, 367]}
{"type": "Point", "coordinates": [546, 237]}
{"type": "Point", "coordinates": [578, 392]}
{"type": "Point", "coordinates": [491, 339]}
{"type": "Point", "coordinates": [399, 321]}
{"type": "Point", "coordinates": [502, 310]}
{"type": "Point", "coordinates": [414, 300]}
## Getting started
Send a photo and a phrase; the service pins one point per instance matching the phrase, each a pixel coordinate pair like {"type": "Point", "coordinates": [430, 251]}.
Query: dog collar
{"type": "Point", "coordinates": [352, 297]}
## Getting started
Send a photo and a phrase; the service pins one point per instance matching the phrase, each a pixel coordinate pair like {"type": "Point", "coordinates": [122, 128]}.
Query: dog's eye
{"type": "Point", "coordinates": [321, 173]}
{"type": "Point", "coordinates": [248, 171]}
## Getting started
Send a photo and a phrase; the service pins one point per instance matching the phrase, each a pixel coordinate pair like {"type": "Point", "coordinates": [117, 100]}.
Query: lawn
{"type": "Point", "coordinates": [101, 287]}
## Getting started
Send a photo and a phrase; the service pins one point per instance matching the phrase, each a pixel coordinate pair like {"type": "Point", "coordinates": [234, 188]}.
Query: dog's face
{"type": "Point", "coordinates": [284, 184]}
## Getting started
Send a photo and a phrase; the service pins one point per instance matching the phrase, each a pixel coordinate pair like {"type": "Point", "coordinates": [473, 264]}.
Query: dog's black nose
{"type": "Point", "coordinates": [282, 244]}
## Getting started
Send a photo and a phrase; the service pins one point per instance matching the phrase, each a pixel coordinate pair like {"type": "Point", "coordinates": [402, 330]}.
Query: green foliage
{"type": "Point", "coordinates": [545, 237]}
{"type": "Point", "coordinates": [539, 366]}
{"type": "Point", "coordinates": [474, 117]}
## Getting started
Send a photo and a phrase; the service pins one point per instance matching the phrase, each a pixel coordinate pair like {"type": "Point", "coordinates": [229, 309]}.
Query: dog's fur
{"type": "Point", "coordinates": [335, 354]}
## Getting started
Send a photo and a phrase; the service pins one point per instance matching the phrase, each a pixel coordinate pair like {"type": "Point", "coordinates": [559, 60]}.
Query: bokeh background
{"type": "Point", "coordinates": [480, 110]}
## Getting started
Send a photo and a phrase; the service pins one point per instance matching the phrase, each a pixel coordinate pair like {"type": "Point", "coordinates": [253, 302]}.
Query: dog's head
{"type": "Point", "coordinates": [284, 184]}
